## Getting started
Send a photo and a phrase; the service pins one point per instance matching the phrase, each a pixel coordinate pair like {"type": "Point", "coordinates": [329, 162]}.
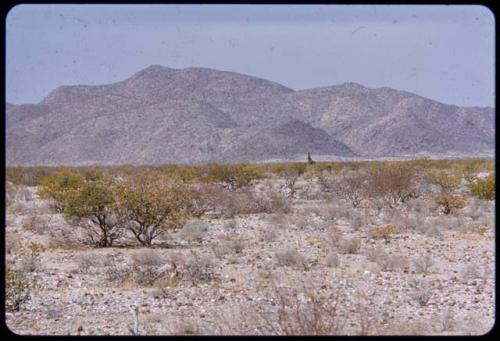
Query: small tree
{"type": "Point", "coordinates": [394, 182]}
{"type": "Point", "coordinates": [151, 205]}
{"type": "Point", "coordinates": [292, 173]}
{"type": "Point", "coordinates": [95, 201]}
{"type": "Point", "coordinates": [59, 187]}
{"type": "Point", "coordinates": [352, 187]}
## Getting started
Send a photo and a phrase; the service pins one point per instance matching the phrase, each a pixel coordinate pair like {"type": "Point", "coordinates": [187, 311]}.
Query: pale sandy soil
{"type": "Point", "coordinates": [75, 290]}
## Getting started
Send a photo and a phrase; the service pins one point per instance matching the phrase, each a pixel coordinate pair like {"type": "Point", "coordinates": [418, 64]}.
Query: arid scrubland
{"type": "Point", "coordinates": [353, 248]}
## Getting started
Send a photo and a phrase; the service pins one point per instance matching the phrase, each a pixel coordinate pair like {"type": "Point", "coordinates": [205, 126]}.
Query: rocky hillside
{"type": "Point", "coordinates": [164, 115]}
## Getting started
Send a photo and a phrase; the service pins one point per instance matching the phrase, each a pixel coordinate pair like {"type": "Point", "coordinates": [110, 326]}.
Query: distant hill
{"type": "Point", "coordinates": [163, 115]}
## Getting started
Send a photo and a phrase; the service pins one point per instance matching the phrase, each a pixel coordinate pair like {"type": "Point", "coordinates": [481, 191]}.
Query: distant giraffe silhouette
{"type": "Point", "coordinates": [309, 159]}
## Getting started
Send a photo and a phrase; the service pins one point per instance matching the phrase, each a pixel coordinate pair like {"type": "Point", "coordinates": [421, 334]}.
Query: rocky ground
{"type": "Point", "coordinates": [433, 275]}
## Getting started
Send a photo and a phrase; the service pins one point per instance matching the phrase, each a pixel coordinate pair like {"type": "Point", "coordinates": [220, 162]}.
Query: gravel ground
{"type": "Point", "coordinates": [76, 294]}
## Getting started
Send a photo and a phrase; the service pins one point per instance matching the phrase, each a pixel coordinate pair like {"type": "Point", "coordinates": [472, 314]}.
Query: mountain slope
{"type": "Point", "coordinates": [163, 115]}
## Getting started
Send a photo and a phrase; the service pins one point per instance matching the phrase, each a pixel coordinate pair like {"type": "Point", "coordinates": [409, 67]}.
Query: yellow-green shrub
{"type": "Point", "coordinates": [235, 176]}
{"type": "Point", "coordinates": [483, 188]}
{"type": "Point", "coordinates": [152, 205]}
{"type": "Point", "coordinates": [29, 176]}
{"type": "Point", "coordinates": [60, 186]}
{"type": "Point", "coordinates": [446, 181]}
{"type": "Point", "coordinates": [183, 173]}
{"type": "Point", "coordinates": [96, 201]}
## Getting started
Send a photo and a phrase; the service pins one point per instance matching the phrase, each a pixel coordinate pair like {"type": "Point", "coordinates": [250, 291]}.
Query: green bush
{"type": "Point", "coordinates": [235, 176]}
{"type": "Point", "coordinates": [96, 201]}
{"type": "Point", "coordinates": [483, 188]}
{"type": "Point", "coordinates": [28, 176]}
{"type": "Point", "coordinates": [152, 205]}
{"type": "Point", "coordinates": [60, 186]}
{"type": "Point", "coordinates": [185, 174]}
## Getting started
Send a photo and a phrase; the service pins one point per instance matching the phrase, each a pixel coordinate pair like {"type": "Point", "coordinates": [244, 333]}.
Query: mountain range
{"type": "Point", "coordinates": [162, 115]}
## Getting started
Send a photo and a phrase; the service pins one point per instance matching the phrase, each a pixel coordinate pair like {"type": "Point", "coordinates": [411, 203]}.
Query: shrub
{"type": "Point", "coordinates": [35, 223]}
{"type": "Point", "coordinates": [230, 224]}
{"type": "Point", "coordinates": [470, 168]}
{"type": "Point", "coordinates": [422, 292]}
{"type": "Point", "coordinates": [395, 182]}
{"type": "Point", "coordinates": [86, 261]}
{"type": "Point", "coordinates": [332, 260]}
{"type": "Point", "coordinates": [419, 205]}
{"type": "Point", "coordinates": [228, 247]}
{"type": "Point", "coordinates": [268, 235]}
{"type": "Point", "coordinates": [193, 231]}
{"type": "Point", "coordinates": [384, 232]}
{"type": "Point", "coordinates": [422, 295]}
{"type": "Point", "coordinates": [230, 176]}
{"type": "Point", "coordinates": [280, 221]}
{"type": "Point", "coordinates": [358, 220]}
{"type": "Point", "coordinates": [270, 202]}
{"type": "Point", "coordinates": [12, 243]}
{"type": "Point", "coordinates": [450, 203]}
{"type": "Point", "coordinates": [291, 257]}
{"type": "Point", "coordinates": [352, 187]}
{"type": "Point", "coordinates": [483, 188]}
{"type": "Point", "coordinates": [151, 206]}
{"type": "Point", "coordinates": [185, 174]}
{"type": "Point", "coordinates": [423, 264]}
{"type": "Point", "coordinates": [332, 238]}
{"type": "Point", "coordinates": [28, 176]}
{"type": "Point", "coordinates": [18, 289]}
{"type": "Point", "coordinates": [311, 315]}
{"type": "Point", "coordinates": [447, 182]}
{"type": "Point", "coordinates": [385, 261]}
{"type": "Point", "coordinates": [225, 203]}
{"type": "Point", "coordinates": [147, 266]}
{"type": "Point", "coordinates": [198, 268]}
{"type": "Point", "coordinates": [96, 202]}
{"type": "Point", "coordinates": [433, 231]}
{"type": "Point", "coordinates": [447, 320]}
{"type": "Point", "coordinates": [91, 173]}
{"type": "Point", "coordinates": [349, 245]}
{"type": "Point", "coordinates": [330, 213]}
{"type": "Point", "coordinates": [291, 173]}
{"type": "Point", "coordinates": [59, 187]}
{"type": "Point", "coordinates": [115, 271]}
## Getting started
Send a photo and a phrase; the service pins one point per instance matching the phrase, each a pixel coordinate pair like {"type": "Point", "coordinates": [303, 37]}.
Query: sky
{"type": "Point", "coordinates": [446, 53]}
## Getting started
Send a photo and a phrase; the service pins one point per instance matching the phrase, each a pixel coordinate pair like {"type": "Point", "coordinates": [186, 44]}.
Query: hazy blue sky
{"type": "Point", "coordinates": [442, 52]}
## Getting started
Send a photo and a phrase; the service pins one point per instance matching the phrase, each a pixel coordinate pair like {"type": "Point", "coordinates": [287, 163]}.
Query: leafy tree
{"type": "Point", "coordinates": [151, 205]}
{"type": "Point", "coordinates": [96, 201]}
{"type": "Point", "coordinates": [60, 186]}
